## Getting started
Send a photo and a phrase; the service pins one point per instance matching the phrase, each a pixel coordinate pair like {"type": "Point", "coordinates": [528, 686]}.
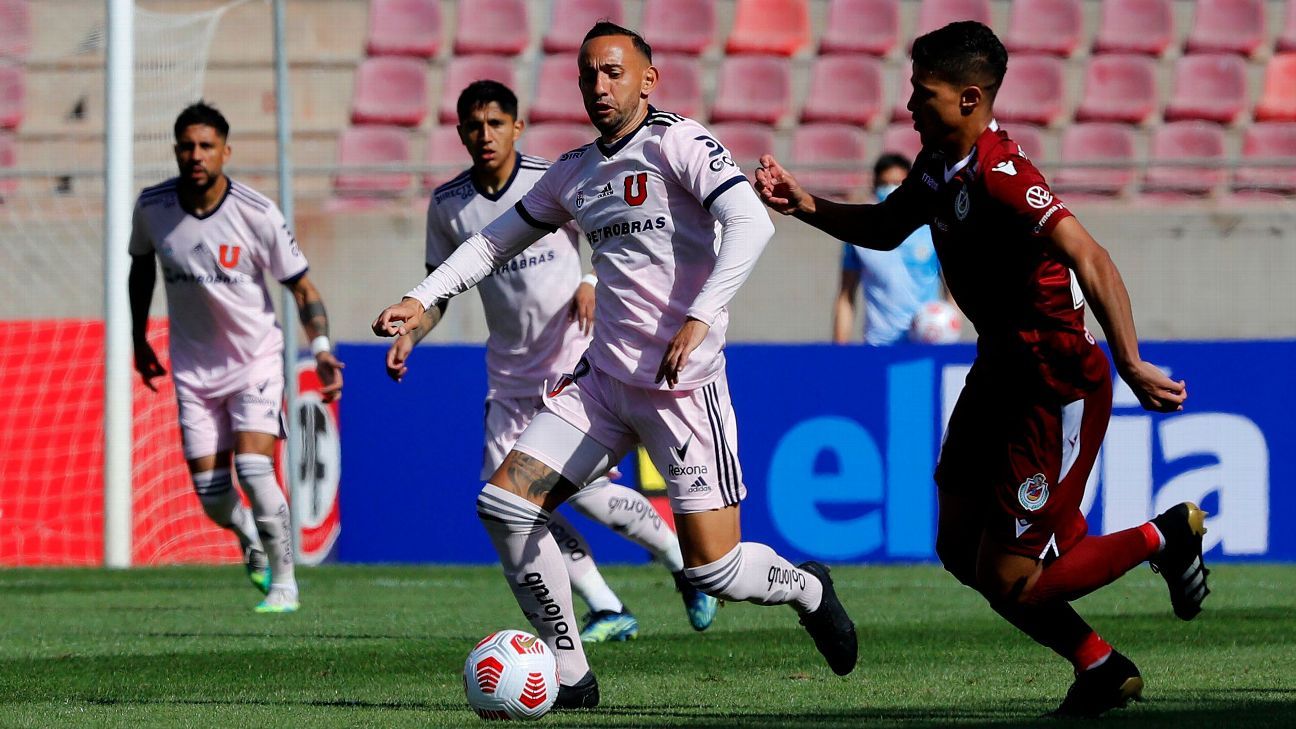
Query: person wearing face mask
{"type": "Point", "coordinates": [895, 287]}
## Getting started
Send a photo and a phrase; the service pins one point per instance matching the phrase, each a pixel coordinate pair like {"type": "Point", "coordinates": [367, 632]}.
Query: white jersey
{"type": "Point", "coordinates": [643, 205]}
{"type": "Point", "coordinates": [531, 340]}
{"type": "Point", "coordinates": [214, 266]}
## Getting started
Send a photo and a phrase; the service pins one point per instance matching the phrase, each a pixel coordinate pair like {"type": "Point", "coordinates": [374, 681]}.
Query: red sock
{"type": "Point", "coordinates": [1091, 651]}
{"type": "Point", "coordinates": [1093, 563]}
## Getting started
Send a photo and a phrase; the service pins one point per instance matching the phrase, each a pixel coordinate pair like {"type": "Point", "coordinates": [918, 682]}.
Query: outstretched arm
{"type": "Point", "coordinates": [1106, 294]}
{"type": "Point", "coordinates": [398, 354]}
{"type": "Point", "coordinates": [314, 319]}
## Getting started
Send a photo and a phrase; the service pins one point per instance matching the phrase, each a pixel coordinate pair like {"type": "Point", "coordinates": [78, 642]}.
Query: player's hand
{"type": "Point", "coordinates": [147, 364]}
{"type": "Point", "coordinates": [1154, 390]}
{"type": "Point", "coordinates": [581, 308]}
{"type": "Point", "coordinates": [681, 346]}
{"type": "Point", "coordinates": [329, 368]}
{"type": "Point", "coordinates": [398, 356]}
{"type": "Point", "coordinates": [779, 189]}
{"type": "Point", "coordinates": [398, 319]}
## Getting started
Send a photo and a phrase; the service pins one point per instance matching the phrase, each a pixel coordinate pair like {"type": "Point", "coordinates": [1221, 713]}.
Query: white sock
{"type": "Point", "coordinates": [536, 572]}
{"type": "Point", "coordinates": [216, 492]}
{"type": "Point", "coordinates": [256, 475]}
{"type": "Point", "coordinates": [753, 572]}
{"type": "Point", "coordinates": [626, 512]}
{"type": "Point", "coordinates": [585, 577]}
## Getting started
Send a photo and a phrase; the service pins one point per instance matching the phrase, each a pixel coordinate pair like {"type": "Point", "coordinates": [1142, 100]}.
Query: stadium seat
{"type": "Point", "coordinates": [463, 70]}
{"type": "Point", "coordinates": [15, 29]}
{"type": "Point", "coordinates": [552, 141]}
{"type": "Point", "coordinates": [1227, 26]}
{"type": "Point", "coordinates": [445, 154]}
{"type": "Point", "coordinates": [557, 96]}
{"type": "Point", "coordinates": [1287, 36]}
{"type": "Point", "coordinates": [8, 159]}
{"type": "Point", "coordinates": [933, 14]}
{"type": "Point", "coordinates": [1210, 87]}
{"type": "Point", "coordinates": [679, 85]}
{"type": "Point", "coordinates": [404, 28]}
{"type": "Point", "coordinates": [1135, 26]}
{"type": "Point", "coordinates": [372, 145]}
{"type": "Point", "coordinates": [1120, 87]}
{"type": "Point", "coordinates": [1044, 26]}
{"type": "Point", "coordinates": [753, 88]}
{"type": "Point", "coordinates": [845, 89]}
{"type": "Point", "coordinates": [842, 147]}
{"type": "Point", "coordinates": [1032, 90]}
{"type": "Point", "coordinates": [572, 19]}
{"type": "Point", "coordinates": [1278, 99]}
{"type": "Point", "coordinates": [1029, 139]}
{"type": "Point", "coordinates": [491, 26]}
{"type": "Point", "coordinates": [679, 26]}
{"type": "Point", "coordinates": [899, 110]}
{"type": "Point", "coordinates": [1181, 141]}
{"type": "Point", "coordinates": [1096, 142]}
{"type": "Point", "coordinates": [779, 27]}
{"type": "Point", "coordinates": [745, 141]}
{"type": "Point", "coordinates": [861, 26]}
{"type": "Point", "coordinates": [390, 90]}
{"type": "Point", "coordinates": [1268, 141]}
{"type": "Point", "coordinates": [13, 95]}
{"type": "Point", "coordinates": [901, 139]}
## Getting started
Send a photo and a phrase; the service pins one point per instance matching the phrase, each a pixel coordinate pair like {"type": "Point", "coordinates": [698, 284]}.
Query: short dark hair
{"type": "Point", "coordinates": [200, 112]}
{"type": "Point", "coordinates": [964, 53]}
{"type": "Point", "coordinates": [481, 93]}
{"type": "Point", "coordinates": [889, 160]}
{"type": "Point", "coordinates": [606, 27]}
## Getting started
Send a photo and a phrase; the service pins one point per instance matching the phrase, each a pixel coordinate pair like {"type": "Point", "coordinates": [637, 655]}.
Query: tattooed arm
{"type": "Point", "coordinates": [314, 319]}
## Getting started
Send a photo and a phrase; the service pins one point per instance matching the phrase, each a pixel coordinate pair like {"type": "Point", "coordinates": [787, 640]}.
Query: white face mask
{"type": "Point", "coordinates": [882, 191]}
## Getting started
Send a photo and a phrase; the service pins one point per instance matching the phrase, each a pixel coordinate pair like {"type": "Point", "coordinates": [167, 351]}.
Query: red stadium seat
{"type": "Point", "coordinates": [1268, 141]}
{"type": "Point", "coordinates": [445, 153]}
{"type": "Point", "coordinates": [491, 26]}
{"type": "Point", "coordinates": [1278, 100]}
{"type": "Point", "coordinates": [463, 70]}
{"type": "Point", "coordinates": [679, 26]}
{"type": "Point", "coordinates": [1227, 26]}
{"type": "Point", "coordinates": [1028, 138]}
{"type": "Point", "coordinates": [1119, 88]}
{"type": "Point", "coordinates": [753, 88]}
{"type": "Point", "coordinates": [1097, 142]}
{"type": "Point", "coordinates": [780, 27]}
{"type": "Point", "coordinates": [901, 139]}
{"type": "Point", "coordinates": [13, 96]}
{"type": "Point", "coordinates": [1045, 26]}
{"type": "Point", "coordinates": [861, 26]}
{"type": "Point", "coordinates": [572, 19]}
{"type": "Point", "coordinates": [842, 148]}
{"type": "Point", "coordinates": [390, 90]}
{"type": "Point", "coordinates": [933, 14]}
{"type": "Point", "coordinates": [1210, 87]}
{"type": "Point", "coordinates": [844, 89]}
{"type": "Point", "coordinates": [1180, 141]}
{"type": "Point", "coordinates": [367, 146]}
{"type": "Point", "coordinates": [1287, 36]}
{"type": "Point", "coordinates": [1135, 26]}
{"type": "Point", "coordinates": [1032, 90]}
{"type": "Point", "coordinates": [552, 141]}
{"type": "Point", "coordinates": [404, 28]}
{"type": "Point", "coordinates": [8, 159]}
{"type": "Point", "coordinates": [679, 85]}
{"type": "Point", "coordinates": [558, 97]}
{"type": "Point", "coordinates": [15, 29]}
{"type": "Point", "coordinates": [745, 141]}
{"type": "Point", "coordinates": [903, 89]}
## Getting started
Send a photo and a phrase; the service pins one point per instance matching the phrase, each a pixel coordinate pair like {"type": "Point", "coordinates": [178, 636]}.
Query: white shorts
{"type": "Point", "coordinates": [208, 425]}
{"type": "Point", "coordinates": [506, 418]}
{"type": "Point", "coordinates": [690, 435]}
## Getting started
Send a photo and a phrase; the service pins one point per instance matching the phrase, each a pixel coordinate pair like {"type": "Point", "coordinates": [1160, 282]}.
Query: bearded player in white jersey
{"type": "Point", "coordinates": [648, 195]}
{"type": "Point", "coordinates": [217, 240]}
{"type": "Point", "coordinates": [539, 312]}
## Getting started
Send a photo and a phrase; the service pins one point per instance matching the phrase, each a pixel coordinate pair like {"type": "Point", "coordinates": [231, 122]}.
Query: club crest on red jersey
{"type": "Point", "coordinates": [1033, 492]}
{"type": "Point", "coordinates": [229, 255]}
{"type": "Point", "coordinates": [636, 188]}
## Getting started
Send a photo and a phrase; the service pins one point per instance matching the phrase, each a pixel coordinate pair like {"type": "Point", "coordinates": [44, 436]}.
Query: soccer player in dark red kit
{"type": "Point", "coordinates": [1026, 430]}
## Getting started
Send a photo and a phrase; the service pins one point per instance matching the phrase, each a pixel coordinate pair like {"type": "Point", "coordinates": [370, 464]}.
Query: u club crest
{"type": "Point", "coordinates": [962, 204]}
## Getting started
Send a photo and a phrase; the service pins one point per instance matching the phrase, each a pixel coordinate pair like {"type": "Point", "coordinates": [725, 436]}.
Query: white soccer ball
{"type": "Point", "coordinates": [511, 675]}
{"type": "Point", "coordinates": [937, 322]}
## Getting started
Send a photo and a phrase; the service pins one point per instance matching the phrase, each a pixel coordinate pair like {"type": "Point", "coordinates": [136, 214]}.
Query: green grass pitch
{"type": "Point", "coordinates": [384, 647]}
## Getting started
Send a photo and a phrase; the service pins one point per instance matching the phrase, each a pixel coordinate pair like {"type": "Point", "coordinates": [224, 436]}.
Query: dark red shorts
{"type": "Point", "coordinates": [1024, 455]}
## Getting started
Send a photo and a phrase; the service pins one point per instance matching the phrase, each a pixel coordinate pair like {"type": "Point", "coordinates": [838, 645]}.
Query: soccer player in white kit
{"type": "Point", "coordinates": [539, 311]}
{"type": "Point", "coordinates": [217, 240]}
{"type": "Point", "coordinates": [651, 196]}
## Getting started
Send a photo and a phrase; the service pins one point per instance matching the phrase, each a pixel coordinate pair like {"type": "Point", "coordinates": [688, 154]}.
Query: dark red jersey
{"type": "Point", "coordinates": [990, 214]}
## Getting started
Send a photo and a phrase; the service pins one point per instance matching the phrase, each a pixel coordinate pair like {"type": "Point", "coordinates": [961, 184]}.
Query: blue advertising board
{"type": "Point", "coordinates": [837, 446]}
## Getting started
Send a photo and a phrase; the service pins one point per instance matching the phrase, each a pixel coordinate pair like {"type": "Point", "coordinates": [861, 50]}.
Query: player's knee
{"type": "Point", "coordinates": [958, 559]}
{"type": "Point", "coordinates": [215, 491]}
